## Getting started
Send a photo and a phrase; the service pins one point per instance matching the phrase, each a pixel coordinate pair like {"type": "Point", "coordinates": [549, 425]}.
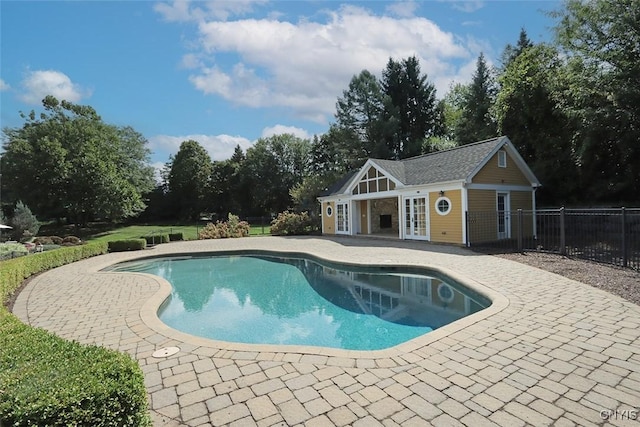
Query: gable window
{"type": "Point", "coordinates": [373, 181]}
{"type": "Point", "coordinates": [443, 205]}
{"type": "Point", "coordinates": [502, 159]}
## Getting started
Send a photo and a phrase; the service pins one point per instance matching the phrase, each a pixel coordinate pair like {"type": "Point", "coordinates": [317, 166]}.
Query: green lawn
{"type": "Point", "coordinates": [136, 231]}
{"type": "Point", "coordinates": [104, 232]}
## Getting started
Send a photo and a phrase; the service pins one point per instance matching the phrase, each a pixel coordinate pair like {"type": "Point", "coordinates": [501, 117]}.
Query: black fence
{"type": "Point", "coordinates": [609, 236]}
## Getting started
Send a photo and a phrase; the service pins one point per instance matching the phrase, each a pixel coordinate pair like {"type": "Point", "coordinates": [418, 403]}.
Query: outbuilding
{"type": "Point", "coordinates": [429, 197]}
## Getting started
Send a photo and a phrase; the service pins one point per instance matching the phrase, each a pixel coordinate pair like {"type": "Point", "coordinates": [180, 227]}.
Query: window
{"type": "Point", "coordinates": [502, 159]}
{"type": "Point", "coordinates": [329, 210]}
{"type": "Point", "coordinates": [443, 205]}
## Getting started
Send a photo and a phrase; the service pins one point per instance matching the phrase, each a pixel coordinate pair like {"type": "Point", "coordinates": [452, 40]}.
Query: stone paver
{"type": "Point", "coordinates": [548, 351]}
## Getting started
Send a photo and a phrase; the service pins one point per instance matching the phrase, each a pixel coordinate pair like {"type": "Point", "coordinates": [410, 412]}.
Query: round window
{"type": "Point", "coordinates": [443, 205]}
{"type": "Point", "coordinates": [329, 210]}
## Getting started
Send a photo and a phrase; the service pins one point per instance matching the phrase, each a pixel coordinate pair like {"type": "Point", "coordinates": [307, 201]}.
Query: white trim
{"type": "Point", "coordinates": [499, 187]}
{"type": "Point", "coordinates": [502, 158]}
{"type": "Point", "coordinates": [465, 206]}
{"type": "Point", "coordinates": [436, 207]}
{"type": "Point", "coordinates": [507, 215]}
{"type": "Point", "coordinates": [427, 217]}
{"type": "Point", "coordinates": [329, 207]}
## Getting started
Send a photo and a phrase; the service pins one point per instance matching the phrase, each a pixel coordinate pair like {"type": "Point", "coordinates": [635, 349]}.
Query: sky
{"type": "Point", "coordinates": [227, 73]}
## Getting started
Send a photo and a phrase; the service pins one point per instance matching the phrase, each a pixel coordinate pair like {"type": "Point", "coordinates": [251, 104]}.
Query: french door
{"type": "Point", "coordinates": [504, 216]}
{"type": "Point", "coordinates": [342, 218]}
{"type": "Point", "coordinates": [416, 218]}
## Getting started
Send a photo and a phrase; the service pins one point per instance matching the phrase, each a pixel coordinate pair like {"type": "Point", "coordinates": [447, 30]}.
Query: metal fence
{"type": "Point", "coordinates": [610, 236]}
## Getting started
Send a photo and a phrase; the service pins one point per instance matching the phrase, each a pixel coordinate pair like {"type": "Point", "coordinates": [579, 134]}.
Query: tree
{"type": "Point", "coordinates": [230, 191]}
{"type": "Point", "coordinates": [69, 163]}
{"type": "Point", "coordinates": [188, 175]}
{"type": "Point", "coordinates": [273, 166]}
{"type": "Point", "coordinates": [475, 121]}
{"type": "Point", "coordinates": [411, 111]}
{"type": "Point", "coordinates": [601, 40]}
{"type": "Point", "coordinates": [360, 110]}
{"type": "Point", "coordinates": [529, 110]}
{"type": "Point", "coordinates": [24, 222]}
{"type": "Point", "coordinates": [511, 52]}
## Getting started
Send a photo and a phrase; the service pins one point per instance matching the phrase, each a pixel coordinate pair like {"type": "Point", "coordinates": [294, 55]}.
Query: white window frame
{"type": "Point", "coordinates": [502, 159]}
{"type": "Point", "coordinates": [437, 207]}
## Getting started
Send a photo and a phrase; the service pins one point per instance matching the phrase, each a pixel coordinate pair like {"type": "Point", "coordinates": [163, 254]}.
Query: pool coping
{"type": "Point", "coordinates": [149, 312]}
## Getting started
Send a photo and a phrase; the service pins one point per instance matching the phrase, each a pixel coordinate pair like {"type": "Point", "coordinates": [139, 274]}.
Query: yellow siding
{"type": "Point", "coordinates": [446, 228]}
{"type": "Point", "coordinates": [522, 200]}
{"type": "Point", "coordinates": [328, 222]}
{"type": "Point", "coordinates": [364, 219]}
{"type": "Point", "coordinates": [482, 207]}
{"type": "Point", "coordinates": [492, 174]}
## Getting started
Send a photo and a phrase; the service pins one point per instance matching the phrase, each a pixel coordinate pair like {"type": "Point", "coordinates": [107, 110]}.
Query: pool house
{"type": "Point", "coordinates": [429, 197]}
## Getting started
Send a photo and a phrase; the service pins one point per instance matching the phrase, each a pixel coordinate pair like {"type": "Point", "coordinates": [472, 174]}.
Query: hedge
{"type": "Point", "coordinates": [156, 239]}
{"type": "Point", "coordinates": [176, 237]}
{"type": "Point", "coordinates": [127, 245]}
{"type": "Point", "coordinates": [46, 380]}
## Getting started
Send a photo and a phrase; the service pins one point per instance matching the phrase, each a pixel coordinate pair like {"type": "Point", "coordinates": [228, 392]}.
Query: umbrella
{"type": "Point", "coordinates": [2, 226]}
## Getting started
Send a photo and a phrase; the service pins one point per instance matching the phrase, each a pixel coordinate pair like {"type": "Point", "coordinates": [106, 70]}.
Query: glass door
{"type": "Point", "coordinates": [416, 221]}
{"type": "Point", "coordinates": [504, 229]}
{"type": "Point", "coordinates": [342, 218]}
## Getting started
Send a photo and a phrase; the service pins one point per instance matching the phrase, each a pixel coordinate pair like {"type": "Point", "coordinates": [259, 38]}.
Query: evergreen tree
{"type": "Point", "coordinates": [511, 52]}
{"type": "Point", "coordinates": [411, 111]}
{"type": "Point", "coordinates": [475, 122]}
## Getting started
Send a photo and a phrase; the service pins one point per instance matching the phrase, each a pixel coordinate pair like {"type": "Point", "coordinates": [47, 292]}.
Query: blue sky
{"type": "Point", "coordinates": [229, 72]}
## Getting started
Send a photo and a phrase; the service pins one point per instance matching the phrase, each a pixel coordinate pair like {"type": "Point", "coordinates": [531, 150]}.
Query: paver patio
{"type": "Point", "coordinates": [550, 351]}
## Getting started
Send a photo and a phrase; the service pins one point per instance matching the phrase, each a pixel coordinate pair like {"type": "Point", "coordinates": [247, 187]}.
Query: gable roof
{"type": "Point", "coordinates": [456, 164]}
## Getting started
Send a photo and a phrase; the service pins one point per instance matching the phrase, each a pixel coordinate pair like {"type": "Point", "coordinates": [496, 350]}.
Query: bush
{"type": "Point", "coordinates": [50, 247]}
{"type": "Point", "coordinates": [24, 223]}
{"type": "Point", "coordinates": [127, 245]}
{"type": "Point", "coordinates": [43, 240]}
{"type": "Point", "coordinates": [12, 250]}
{"type": "Point", "coordinates": [233, 227]}
{"type": "Point", "coordinates": [176, 237]}
{"type": "Point", "coordinates": [56, 240]}
{"type": "Point", "coordinates": [71, 241]}
{"type": "Point", "coordinates": [291, 223]}
{"type": "Point", "coordinates": [45, 380]}
{"type": "Point", "coordinates": [156, 239]}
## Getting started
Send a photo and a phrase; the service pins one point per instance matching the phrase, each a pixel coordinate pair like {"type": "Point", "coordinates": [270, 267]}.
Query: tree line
{"type": "Point", "coordinates": [571, 107]}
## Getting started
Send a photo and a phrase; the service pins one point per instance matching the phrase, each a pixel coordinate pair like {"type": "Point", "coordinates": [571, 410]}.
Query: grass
{"type": "Point", "coordinates": [106, 233]}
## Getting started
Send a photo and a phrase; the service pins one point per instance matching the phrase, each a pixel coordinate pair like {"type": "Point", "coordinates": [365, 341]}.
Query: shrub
{"type": "Point", "coordinates": [43, 240]}
{"type": "Point", "coordinates": [233, 227]}
{"type": "Point", "coordinates": [12, 250]}
{"type": "Point", "coordinates": [175, 237]}
{"type": "Point", "coordinates": [56, 240]}
{"type": "Point", "coordinates": [46, 380]}
{"type": "Point", "coordinates": [50, 247]}
{"type": "Point", "coordinates": [71, 241]}
{"type": "Point", "coordinates": [291, 223]}
{"type": "Point", "coordinates": [127, 245]}
{"type": "Point", "coordinates": [156, 239]}
{"type": "Point", "coordinates": [25, 223]}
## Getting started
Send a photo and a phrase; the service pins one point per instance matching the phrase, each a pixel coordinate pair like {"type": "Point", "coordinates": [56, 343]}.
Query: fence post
{"type": "Point", "coordinates": [563, 243]}
{"type": "Point", "coordinates": [519, 230]}
{"type": "Point", "coordinates": [625, 254]}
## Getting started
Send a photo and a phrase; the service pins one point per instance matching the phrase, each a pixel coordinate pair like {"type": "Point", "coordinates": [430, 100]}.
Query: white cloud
{"type": "Point", "coordinates": [185, 10]}
{"type": "Point", "coordinates": [4, 86]}
{"type": "Point", "coordinates": [282, 129]}
{"type": "Point", "coordinates": [38, 84]}
{"type": "Point", "coordinates": [467, 6]}
{"type": "Point", "coordinates": [219, 147]}
{"type": "Point", "coordinates": [306, 65]}
{"type": "Point", "coordinates": [402, 8]}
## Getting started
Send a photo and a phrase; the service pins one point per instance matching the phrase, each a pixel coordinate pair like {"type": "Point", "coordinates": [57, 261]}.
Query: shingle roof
{"type": "Point", "coordinates": [448, 165]}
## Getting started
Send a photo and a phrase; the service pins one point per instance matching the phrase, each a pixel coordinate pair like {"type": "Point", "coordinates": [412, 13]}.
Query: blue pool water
{"type": "Point", "coordinates": [281, 300]}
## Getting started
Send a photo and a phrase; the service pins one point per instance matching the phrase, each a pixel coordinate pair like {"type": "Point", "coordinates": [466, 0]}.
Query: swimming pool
{"type": "Point", "coordinates": [284, 299]}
